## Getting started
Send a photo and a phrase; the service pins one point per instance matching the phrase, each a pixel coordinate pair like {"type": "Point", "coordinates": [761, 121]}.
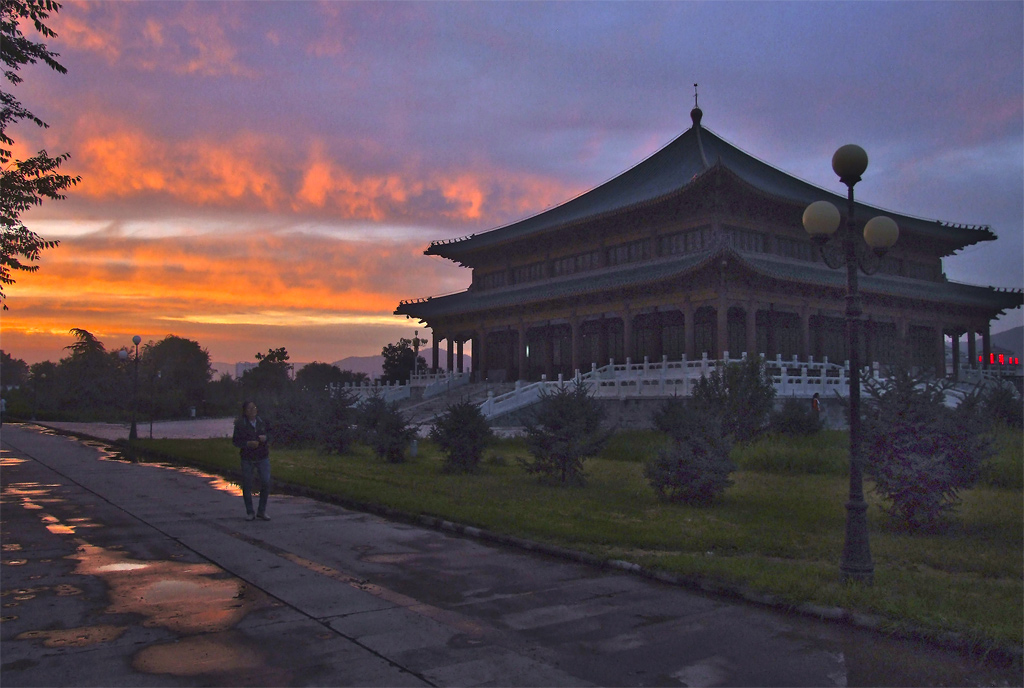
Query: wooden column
{"type": "Point", "coordinates": [451, 355]}
{"type": "Point", "coordinates": [434, 355]}
{"type": "Point", "coordinates": [628, 343]}
{"type": "Point", "coordinates": [972, 347]}
{"type": "Point", "coordinates": [689, 347]}
{"type": "Point", "coordinates": [722, 330]}
{"type": "Point", "coordinates": [955, 335]}
{"type": "Point", "coordinates": [577, 344]}
{"type": "Point", "coordinates": [940, 354]}
{"type": "Point", "coordinates": [549, 352]}
{"type": "Point", "coordinates": [458, 354]}
{"type": "Point", "coordinates": [750, 324]}
{"type": "Point", "coordinates": [805, 333]}
{"type": "Point", "coordinates": [986, 347]}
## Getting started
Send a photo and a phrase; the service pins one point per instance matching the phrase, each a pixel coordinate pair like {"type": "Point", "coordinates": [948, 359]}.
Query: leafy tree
{"type": "Point", "coordinates": [24, 183]}
{"type": "Point", "coordinates": [919, 452]}
{"type": "Point", "coordinates": [177, 372]}
{"type": "Point", "coordinates": [13, 371]}
{"type": "Point", "coordinates": [564, 432]}
{"type": "Point", "coordinates": [93, 382]}
{"type": "Point", "coordinates": [223, 396]}
{"type": "Point", "coordinates": [462, 433]}
{"type": "Point", "coordinates": [384, 428]}
{"type": "Point", "coordinates": [400, 360]}
{"type": "Point", "coordinates": [269, 381]}
{"type": "Point", "coordinates": [741, 395]}
{"type": "Point", "coordinates": [317, 378]}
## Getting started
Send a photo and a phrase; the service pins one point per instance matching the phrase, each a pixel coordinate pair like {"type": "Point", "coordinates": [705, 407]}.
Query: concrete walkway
{"type": "Point", "coordinates": [146, 575]}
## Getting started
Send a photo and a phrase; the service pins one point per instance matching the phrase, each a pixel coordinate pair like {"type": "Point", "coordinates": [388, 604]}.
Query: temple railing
{"type": "Point", "coordinates": [667, 378]}
{"type": "Point", "coordinates": [388, 392]}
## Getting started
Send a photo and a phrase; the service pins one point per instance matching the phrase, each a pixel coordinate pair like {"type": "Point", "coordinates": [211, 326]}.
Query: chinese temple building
{"type": "Point", "coordinates": [698, 250]}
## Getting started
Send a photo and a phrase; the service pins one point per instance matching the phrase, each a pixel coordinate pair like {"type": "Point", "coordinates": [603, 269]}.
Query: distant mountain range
{"type": "Point", "coordinates": [370, 365]}
{"type": "Point", "coordinates": [1012, 340]}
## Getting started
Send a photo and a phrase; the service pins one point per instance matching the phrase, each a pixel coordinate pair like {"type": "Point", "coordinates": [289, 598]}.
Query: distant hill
{"type": "Point", "coordinates": [370, 365]}
{"type": "Point", "coordinates": [1011, 340]}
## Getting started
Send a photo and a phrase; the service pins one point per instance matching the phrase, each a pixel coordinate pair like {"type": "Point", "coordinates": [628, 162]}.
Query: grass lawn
{"type": "Point", "coordinates": [778, 530]}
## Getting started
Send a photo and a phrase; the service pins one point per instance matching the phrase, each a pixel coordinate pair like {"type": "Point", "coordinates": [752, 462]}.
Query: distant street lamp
{"type": "Point", "coordinates": [821, 219]}
{"type": "Point", "coordinates": [133, 434]}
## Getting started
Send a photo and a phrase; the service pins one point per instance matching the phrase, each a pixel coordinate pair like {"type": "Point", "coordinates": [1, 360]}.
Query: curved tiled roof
{"type": "Point", "coordinates": [675, 167]}
{"type": "Point", "coordinates": [650, 273]}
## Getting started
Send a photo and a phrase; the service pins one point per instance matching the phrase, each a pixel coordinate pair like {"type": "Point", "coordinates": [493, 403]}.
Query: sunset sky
{"type": "Point", "coordinates": [265, 174]}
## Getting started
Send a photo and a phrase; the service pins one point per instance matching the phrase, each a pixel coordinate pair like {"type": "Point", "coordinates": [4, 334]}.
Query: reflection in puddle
{"type": "Point", "coordinates": [195, 600]}
{"type": "Point", "coordinates": [196, 655]}
{"type": "Point", "coordinates": [75, 637]}
{"type": "Point", "coordinates": [182, 597]}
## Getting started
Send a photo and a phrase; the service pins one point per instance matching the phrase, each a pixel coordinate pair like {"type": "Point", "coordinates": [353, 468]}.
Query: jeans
{"type": "Point", "coordinates": [248, 468]}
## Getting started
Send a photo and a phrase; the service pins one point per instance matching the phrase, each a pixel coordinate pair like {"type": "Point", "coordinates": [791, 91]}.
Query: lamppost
{"type": "Point", "coordinates": [152, 400]}
{"type": "Point", "coordinates": [821, 219]}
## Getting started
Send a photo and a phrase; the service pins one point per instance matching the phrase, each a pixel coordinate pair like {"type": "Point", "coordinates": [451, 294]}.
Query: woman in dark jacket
{"type": "Point", "coordinates": [250, 436]}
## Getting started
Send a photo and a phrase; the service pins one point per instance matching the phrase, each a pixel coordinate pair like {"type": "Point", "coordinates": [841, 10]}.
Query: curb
{"type": "Point", "coordinates": [1006, 654]}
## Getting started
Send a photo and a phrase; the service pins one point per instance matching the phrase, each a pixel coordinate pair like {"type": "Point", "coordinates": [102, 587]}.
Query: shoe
{"type": "Point", "coordinates": [250, 517]}
{"type": "Point", "coordinates": [263, 517]}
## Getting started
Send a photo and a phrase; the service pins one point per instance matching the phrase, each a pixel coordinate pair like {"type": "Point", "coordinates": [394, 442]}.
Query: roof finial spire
{"type": "Point", "coordinates": [695, 113]}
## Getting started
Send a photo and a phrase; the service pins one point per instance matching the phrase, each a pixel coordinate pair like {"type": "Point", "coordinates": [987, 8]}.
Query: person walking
{"type": "Point", "coordinates": [250, 436]}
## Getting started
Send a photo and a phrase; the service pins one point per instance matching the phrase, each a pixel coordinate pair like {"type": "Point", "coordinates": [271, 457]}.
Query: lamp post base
{"type": "Point", "coordinates": [856, 565]}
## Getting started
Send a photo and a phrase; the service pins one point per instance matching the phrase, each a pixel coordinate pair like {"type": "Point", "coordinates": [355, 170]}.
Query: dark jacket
{"type": "Point", "coordinates": [245, 432]}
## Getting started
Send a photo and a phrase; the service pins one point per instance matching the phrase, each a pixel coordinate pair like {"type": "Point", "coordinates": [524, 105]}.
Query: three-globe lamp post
{"type": "Point", "coordinates": [821, 219]}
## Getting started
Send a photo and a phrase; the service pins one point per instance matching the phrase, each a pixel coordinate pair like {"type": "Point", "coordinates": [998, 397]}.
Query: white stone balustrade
{"type": "Point", "coordinates": [676, 378]}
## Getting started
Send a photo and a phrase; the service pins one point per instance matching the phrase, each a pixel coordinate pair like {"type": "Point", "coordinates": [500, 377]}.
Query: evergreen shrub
{"type": "Point", "coordinates": [741, 395]}
{"type": "Point", "coordinates": [384, 428]}
{"type": "Point", "coordinates": [462, 433]}
{"type": "Point", "coordinates": [795, 418]}
{"type": "Point", "coordinates": [565, 430]}
{"type": "Point", "coordinates": [695, 469]}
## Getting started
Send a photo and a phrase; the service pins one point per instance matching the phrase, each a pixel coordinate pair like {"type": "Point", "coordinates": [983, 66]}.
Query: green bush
{"type": "Point", "coordinates": [695, 468]}
{"type": "Point", "coordinates": [383, 428]}
{"type": "Point", "coordinates": [919, 452]}
{"type": "Point", "coordinates": [795, 418]}
{"type": "Point", "coordinates": [1001, 402]}
{"type": "Point", "coordinates": [740, 394]}
{"type": "Point", "coordinates": [306, 421]}
{"type": "Point", "coordinates": [462, 433]}
{"type": "Point", "coordinates": [565, 430]}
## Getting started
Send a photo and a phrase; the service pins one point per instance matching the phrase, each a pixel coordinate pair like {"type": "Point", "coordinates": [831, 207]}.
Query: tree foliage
{"type": "Point", "coordinates": [462, 433]}
{"type": "Point", "coordinates": [695, 468]}
{"type": "Point", "coordinates": [179, 369]}
{"type": "Point", "coordinates": [400, 360]}
{"type": "Point", "coordinates": [740, 394]}
{"type": "Point", "coordinates": [919, 452]}
{"type": "Point", "coordinates": [269, 382]}
{"type": "Point", "coordinates": [384, 428]}
{"type": "Point", "coordinates": [24, 183]}
{"type": "Point", "coordinates": [564, 431]}
{"type": "Point", "coordinates": [795, 418]}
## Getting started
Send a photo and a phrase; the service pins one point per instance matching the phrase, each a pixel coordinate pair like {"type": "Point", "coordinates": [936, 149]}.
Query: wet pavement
{"type": "Point", "coordinates": [126, 574]}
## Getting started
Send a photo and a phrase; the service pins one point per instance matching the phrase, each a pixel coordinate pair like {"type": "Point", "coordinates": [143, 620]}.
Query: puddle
{"type": "Point", "coordinates": [185, 598]}
{"type": "Point", "coordinates": [197, 655]}
{"type": "Point", "coordinates": [197, 601]}
{"type": "Point", "coordinates": [75, 637]}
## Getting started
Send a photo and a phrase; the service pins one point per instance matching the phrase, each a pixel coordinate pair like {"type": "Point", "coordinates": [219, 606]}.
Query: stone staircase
{"type": "Point", "coordinates": [421, 413]}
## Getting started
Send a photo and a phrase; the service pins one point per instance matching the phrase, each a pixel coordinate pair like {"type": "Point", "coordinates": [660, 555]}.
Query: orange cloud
{"type": "Point", "coordinates": [224, 290]}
